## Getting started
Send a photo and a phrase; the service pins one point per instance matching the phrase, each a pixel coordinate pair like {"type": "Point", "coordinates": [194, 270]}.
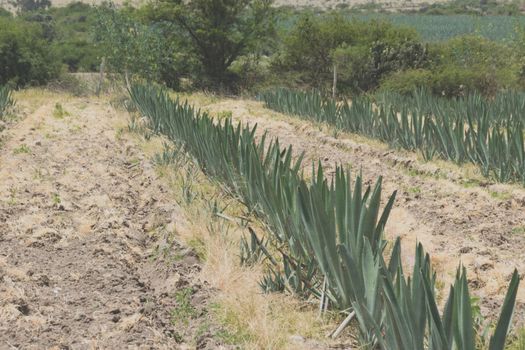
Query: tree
{"type": "Point", "coordinates": [26, 56]}
{"type": "Point", "coordinates": [31, 5]}
{"type": "Point", "coordinates": [129, 46]}
{"type": "Point", "coordinates": [361, 53]}
{"type": "Point", "coordinates": [218, 31]}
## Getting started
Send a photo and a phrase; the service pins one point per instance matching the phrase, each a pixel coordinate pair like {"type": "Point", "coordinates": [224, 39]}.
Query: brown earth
{"type": "Point", "coordinates": [86, 258]}
{"type": "Point", "coordinates": [458, 219]}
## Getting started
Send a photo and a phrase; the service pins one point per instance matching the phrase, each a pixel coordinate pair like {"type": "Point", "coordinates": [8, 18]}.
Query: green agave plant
{"type": "Point", "coordinates": [328, 234]}
{"type": "Point", "coordinates": [5, 99]}
{"type": "Point", "coordinates": [488, 133]}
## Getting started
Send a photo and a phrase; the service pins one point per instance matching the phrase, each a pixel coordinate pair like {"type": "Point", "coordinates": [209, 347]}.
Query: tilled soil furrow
{"type": "Point", "coordinates": [79, 228]}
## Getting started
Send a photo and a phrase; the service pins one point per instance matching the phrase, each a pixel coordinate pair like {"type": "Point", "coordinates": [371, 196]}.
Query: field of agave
{"type": "Point", "coordinates": [5, 99]}
{"type": "Point", "coordinates": [443, 27]}
{"type": "Point", "coordinates": [471, 129]}
{"type": "Point", "coordinates": [327, 235]}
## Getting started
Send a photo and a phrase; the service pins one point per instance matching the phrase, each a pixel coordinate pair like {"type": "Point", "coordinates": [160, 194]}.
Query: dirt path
{"type": "Point", "coordinates": [456, 222]}
{"type": "Point", "coordinates": [84, 256]}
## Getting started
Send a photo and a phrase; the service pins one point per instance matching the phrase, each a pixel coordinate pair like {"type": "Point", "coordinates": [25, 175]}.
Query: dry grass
{"type": "Point", "coordinates": [251, 319]}
{"type": "Point", "coordinates": [31, 98]}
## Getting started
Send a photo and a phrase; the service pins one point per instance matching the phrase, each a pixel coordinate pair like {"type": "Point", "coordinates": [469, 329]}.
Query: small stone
{"type": "Point", "coordinates": [297, 339]}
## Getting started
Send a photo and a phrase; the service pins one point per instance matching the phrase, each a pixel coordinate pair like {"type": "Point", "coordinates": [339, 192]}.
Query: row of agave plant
{"type": "Point", "coordinates": [471, 129]}
{"type": "Point", "coordinates": [505, 105]}
{"type": "Point", "coordinates": [329, 232]}
{"type": "Point", "coordinates": [5, 99]}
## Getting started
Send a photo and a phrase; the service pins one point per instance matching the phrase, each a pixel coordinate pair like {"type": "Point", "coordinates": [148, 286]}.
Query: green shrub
{"type": "Point", "coordinates": [25, 54]}
{"type": "Point", "coordinates": [364, 52]}
{"type": "Point", "coordinates": [454, 81]}
{"type": "Point", "coordinates": [405, 82]}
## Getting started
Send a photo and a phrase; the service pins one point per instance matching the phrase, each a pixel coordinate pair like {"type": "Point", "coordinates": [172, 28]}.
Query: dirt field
{"type": "Point", "coordinates": [457, 215]}
{"type": "Point", "coordinates": [82, 219]}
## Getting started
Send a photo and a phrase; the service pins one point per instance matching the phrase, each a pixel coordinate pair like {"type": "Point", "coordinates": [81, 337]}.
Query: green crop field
{"type": "Point", "coordinates": [437, 27]}
{"type": "Point", "coordinates": [440, 27]}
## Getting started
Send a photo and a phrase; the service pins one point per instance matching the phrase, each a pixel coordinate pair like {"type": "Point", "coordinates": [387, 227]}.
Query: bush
{"type": "Point", "coordinates": [405, 82]}
{"type": "Point", "coordinates": [456, 81]}
{"type": "Point", "coordinates": [473, 63]}
{"type": "Point", "coordinates": [25, 54]}
{"type": "Point", "coordinates": [364, 52]}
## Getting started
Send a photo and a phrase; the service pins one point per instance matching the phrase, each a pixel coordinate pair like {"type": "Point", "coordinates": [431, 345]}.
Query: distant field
{"type": "Point", "coordinates": [442, 27]}
{"type": "Point", "coordinates": [438, 27]}
{"type": "Point", "coordinates": [346, 3]}
{"type": "Point", "coordinates": [431, 27]}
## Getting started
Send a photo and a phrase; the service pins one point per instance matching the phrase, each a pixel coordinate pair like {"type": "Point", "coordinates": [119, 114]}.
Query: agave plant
{"type": "Point", "coordinates": [5, 99]}
{"type": "Point", "coordinates": [328, 230]}
{"type": "Point", "coordinates": [469, 129]}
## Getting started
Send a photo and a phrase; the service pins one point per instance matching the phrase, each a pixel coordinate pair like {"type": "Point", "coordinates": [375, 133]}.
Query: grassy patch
{"type": "Point", "coordinates": [184, 311]}
{"type": "Point", "coordinates": [22, 149]}
{"type": "Point", "coordinates": [56, 198]}
{"type": "Point", "coordinates": [233, 330]}
{"type": "Point", "coordinates": [224, 115]}
{"type": "Point", "coordinates": [59, 112]}
{"type": "Point", "coordinates": [518, 230]}
{"type": "Point", "coordinates": [518, 343]}
{"type": "Point", "coordinates": [502, 196]}
{"type": "Point", "coordinates": [415, 190]}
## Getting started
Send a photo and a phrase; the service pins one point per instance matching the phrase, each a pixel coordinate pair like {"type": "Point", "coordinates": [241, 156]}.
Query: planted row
{"type": "Point", "coordinates": [326, 230]}
{"type": "Point", "coordinates": [488, 134]}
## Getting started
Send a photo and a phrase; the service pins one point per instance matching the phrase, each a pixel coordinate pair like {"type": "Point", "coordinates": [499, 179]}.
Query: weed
{"type": "Point", "coordinates": [139, 126]}
{"type": "Point", "coordinates": [172, 154]}
{"type": "Point", "coordinates": [232, 330]}
{"type": "Point", "coordinates": [224, 115]}
{"type": "Point", "coordinates": [22, 149]}
{"type": "Point", "coordinates": [59, 112]}
{"type": "Point", "coordinates": [519, 341]}
{"type": "Point", "coordinates": [199, 247]}
{"type": "Point", "coordinates": [502, 196]}
{"type": "Point", "coordinates": [184, 311]}
{"type": "Point", "coordinates": [12, 196]}
{"type": "Point", "coordinates": [56, 199]}
{"type": "Point", "coordinates": [518, 230]}
{"type": "Point", "coordinates": [469, 183]}
{"type": "Point", "coordinates": [119, 133]}
{"type": "Point", "coordinates": [415, 190]}
{"type": "Point", "coordinates": [188, 191]}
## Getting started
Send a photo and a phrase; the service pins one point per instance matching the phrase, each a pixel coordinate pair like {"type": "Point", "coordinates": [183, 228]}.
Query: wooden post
{"type": "Point", "coordinates": [101, 78]}
{"type": "Point", "coordinates": [334, 86]}
{"type": "Point", "coordinates": [126, 77]}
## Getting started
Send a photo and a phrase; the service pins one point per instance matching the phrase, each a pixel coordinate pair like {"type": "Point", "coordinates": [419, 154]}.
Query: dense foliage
{"type": "Point", "coordinates": [26, 56]}
{"type": "Point", "coordinates": [233, 46]}
{"type": "Point", "coordinates": [331, 231]}
{"type": "Point", "coordinates": [215, 34]}
{"type": "Point", "coordinates": [364, 52]}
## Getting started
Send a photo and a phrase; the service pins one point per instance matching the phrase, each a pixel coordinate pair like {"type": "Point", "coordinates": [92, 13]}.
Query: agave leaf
{"type": "Point", "coordinates": [497, 341]}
